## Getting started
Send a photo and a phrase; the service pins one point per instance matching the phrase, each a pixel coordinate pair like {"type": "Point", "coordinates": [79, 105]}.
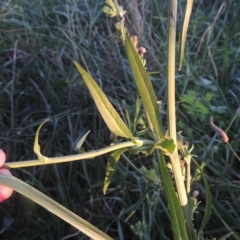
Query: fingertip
{"type": "Point", "coordinates": [2, 157]}
{"type": "Point", "coordinates": [5, 192]}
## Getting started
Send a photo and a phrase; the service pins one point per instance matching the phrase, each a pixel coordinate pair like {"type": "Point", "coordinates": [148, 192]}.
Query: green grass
{"type": "Point", "coordinates": [39, 41]}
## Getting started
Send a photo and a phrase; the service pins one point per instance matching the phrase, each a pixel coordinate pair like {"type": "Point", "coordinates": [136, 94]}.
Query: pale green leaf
{"type": "Point", "coordinates": [54, 207]}
{"type": "Point", "coordinates": [109, 11]}
{"type": "Point", "coordinates": [166, 145]}
{"type": "Point", "coordinates": [109, 114]}
{"type": "Point", "coordinates": [110, 3]}
{"type": "Point", "coordinates": [111, 167]}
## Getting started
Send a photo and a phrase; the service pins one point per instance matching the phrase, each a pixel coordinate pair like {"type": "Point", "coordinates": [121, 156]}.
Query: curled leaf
{"type": "Point", "coordinates": [37, 147]}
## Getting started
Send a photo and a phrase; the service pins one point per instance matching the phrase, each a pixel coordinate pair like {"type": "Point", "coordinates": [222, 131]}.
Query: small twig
{"type": "Point", "coordinates": [220, 11]}
{"type": "Point", "coordinates": [202, 40]}
{"type": "Point", "coordinates": [210, 28]}
{"type": "Point", "coordinates": [71, 235]}
{"type": "Point", "coordinates": [218, 130]}
{"type": "Point", "coordinates": [233, 119]}
{"type": "Point", "coordinates": [213, 63]}
{"type": "Point", "coordinates": [223, 135]}
{"type": "Point", "coordinates": [12, 82]}
{"type": "Point", "coordinates": [235, 154]}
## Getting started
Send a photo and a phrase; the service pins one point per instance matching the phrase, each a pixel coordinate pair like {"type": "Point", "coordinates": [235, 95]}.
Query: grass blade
{"type": "Point", "coordinates": [236, 236]}
{"type": "Point", "coordinates": [53, 207]}
{"type": "Point", "coordinates": [183, 35]}
{"type": "Point", "coordinates": [208, 210]}
{"type": "Point", "coordinates": [139, 202]}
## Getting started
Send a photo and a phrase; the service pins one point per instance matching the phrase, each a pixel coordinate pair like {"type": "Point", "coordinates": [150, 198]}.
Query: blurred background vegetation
{"type": "Point", "coordinates": [39, 40]}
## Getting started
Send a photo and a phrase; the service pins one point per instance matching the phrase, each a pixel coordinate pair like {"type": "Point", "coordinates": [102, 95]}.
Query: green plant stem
{"type": "Point", "coordinates": [87, 155]}
{"type": "Point", "coordinates": [171, 69]}
{"type": "Point", "coordinates": [188, 165]}
{"type": "Point", "coordinates": [172, 117]}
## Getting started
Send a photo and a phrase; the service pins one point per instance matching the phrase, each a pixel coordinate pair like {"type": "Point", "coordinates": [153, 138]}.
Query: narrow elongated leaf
{"type": "Point", "coordinates": [111, 167]}
{"type": "Point", "coordinates": [54, 207]}
{"type": "Point", "coordinates": [145, 88]}
{"type": "Point", "coordinates": [150, 103]}
{"type": "Point", "coordinates": [109, 114]}
{"type": "Point", "coordinates": [177, 218]}
{"type": "Point", "coordinates": [208, 210]}
{"type": "Point", "coordinates": [139, 202]}
{"type": "Point", "coordinates": [183, 34]}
